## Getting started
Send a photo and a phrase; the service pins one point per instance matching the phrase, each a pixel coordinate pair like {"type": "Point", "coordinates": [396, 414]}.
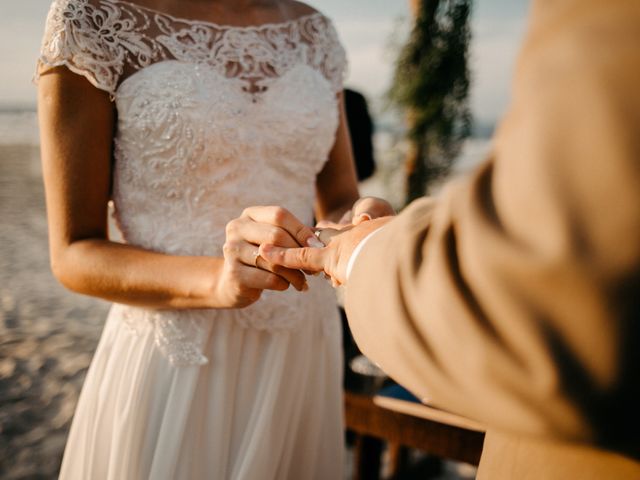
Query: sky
{"type": "Point", "coordinates": [366, 28]}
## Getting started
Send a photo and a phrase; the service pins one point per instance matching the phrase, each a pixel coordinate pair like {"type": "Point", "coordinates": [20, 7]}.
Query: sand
{"type": "Point", "coordinates": [47, 335]}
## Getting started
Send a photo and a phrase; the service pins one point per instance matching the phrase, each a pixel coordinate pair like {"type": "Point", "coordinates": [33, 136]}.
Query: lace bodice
{"type": "Point", "coordinates": [211, 119]}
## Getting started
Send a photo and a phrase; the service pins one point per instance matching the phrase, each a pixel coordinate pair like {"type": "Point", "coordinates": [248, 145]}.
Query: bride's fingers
{"type": "Point", "coordinates": [283, 218]}
{"type": "Point", "coordinates": [257, 279]}
{"type": "Point", "coordinates": [257, 233]}
{"type": "Point", "coordinates": [241, 252]}
{"type": "Point", "coordinates": [248, 255]}
{"type": "Point", "coordinates": [294, 277]}
{"type": "Point", "coordinates": [309, 259]}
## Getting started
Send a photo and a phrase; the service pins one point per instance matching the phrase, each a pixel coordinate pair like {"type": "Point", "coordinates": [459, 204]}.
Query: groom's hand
{"type": "Point", "coordinates": [370, 208]}
{"type": "Point", "coordinates": [364, 209]}
{"type": "Point", "coordinates": [332, 259]}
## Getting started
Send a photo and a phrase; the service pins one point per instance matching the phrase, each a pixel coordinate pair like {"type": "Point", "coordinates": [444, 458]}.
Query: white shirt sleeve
{"type": "Point", "coordinates": [357, 250]}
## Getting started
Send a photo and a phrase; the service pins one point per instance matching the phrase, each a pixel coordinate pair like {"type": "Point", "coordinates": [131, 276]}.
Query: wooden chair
{"type": "Point", "coordinates": [379, 419]}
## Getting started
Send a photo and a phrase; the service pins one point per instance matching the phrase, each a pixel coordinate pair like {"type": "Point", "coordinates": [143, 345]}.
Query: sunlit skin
{"type": "Point", "coordinates": [332, 260]}
{"type": "Point", "coordinates": [77, 123]}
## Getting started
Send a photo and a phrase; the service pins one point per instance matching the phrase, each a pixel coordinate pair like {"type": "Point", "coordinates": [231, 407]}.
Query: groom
{"type": "Point", "coordinates": [514, 298]}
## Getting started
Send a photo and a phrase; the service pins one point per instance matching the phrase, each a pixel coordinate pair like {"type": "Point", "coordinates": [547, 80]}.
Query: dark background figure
{"type": "Point", "coordinates": [361, 130]}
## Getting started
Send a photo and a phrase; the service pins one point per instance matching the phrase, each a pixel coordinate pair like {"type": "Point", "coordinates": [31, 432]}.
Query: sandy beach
{"type": "Point", "coordinates": [47, 335]}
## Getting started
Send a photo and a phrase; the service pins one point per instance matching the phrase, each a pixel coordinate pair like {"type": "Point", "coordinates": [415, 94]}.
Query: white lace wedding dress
{"type": "Point", "coordinates": [211, 119]}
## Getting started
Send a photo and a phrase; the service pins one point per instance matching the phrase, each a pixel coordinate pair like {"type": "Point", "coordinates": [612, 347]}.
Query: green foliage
{"type": "Point", "coordinates": [431, 83]}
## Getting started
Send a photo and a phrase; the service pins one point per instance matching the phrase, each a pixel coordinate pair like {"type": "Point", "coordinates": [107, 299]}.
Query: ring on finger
{"type": "Point", "coordinates": [256, 256]}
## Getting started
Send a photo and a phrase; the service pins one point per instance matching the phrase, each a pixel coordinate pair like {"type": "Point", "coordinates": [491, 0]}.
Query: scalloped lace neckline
{"type": "Point", "coordinates": [110, 40]}
{"type": "Point", "coordinates": [220, 26]}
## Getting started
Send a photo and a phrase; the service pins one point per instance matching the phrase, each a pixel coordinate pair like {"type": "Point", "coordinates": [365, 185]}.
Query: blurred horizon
{"type": "Point", "coordinates": [368, 29]}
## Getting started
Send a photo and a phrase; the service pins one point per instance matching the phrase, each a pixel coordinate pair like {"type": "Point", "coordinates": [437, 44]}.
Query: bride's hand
{"type": "Point", "coordinates": [245, 274]}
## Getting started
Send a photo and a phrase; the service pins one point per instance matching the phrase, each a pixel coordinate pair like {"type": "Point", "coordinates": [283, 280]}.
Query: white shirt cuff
{"type": "Point", "coordinates": [357, 250]}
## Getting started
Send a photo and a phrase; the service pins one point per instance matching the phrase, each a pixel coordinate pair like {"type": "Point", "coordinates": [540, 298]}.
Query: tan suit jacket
{"type": "Point", "coordinates": [514, 297]}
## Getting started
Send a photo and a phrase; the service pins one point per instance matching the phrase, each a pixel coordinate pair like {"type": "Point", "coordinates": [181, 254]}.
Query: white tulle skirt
{"type": "Point", "coordinates": [267, 405]}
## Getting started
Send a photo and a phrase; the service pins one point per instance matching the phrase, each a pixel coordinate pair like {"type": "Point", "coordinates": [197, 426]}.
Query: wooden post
{"type": "Point", "coordinates": [368, 458]}
{"type": "Point", "coordinates": [413, 155]}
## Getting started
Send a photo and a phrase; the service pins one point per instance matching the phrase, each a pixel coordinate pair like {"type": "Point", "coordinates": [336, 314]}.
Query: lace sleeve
{"type": "Point", "coordinates": [327, 53]}
{"type": "Point", "coordinates": [334, 64]}
{"type": "Point", "coordinates": [85, 39]}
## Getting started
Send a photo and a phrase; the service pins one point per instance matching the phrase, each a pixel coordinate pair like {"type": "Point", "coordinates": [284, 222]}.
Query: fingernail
{"type": "Point", "coordinates": [315, 242]}
{"type": "Point", "coordinates": [364, 217]}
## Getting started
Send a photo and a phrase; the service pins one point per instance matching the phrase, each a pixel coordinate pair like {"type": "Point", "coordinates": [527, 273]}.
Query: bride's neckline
{"type": "Point", "coordinates": [220, 26]}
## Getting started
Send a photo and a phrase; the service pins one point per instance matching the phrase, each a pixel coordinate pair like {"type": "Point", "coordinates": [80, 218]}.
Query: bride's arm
{"type": "Point", "coordinates": [77, 123]}
{"type": "Point", "coordinates": [338, 200]}
{"type": "Point", "coordinates": [336, 184]}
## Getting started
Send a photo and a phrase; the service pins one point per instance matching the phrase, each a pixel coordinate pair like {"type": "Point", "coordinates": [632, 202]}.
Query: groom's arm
{"type": "Point", "coordinates": [514, 298]}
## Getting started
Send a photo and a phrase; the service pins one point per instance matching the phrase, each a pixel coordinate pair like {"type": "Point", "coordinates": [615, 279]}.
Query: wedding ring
{"type": "Point", "coordinates": [316, 241]}
{"type": "Point", "coordinates": [255, 258]}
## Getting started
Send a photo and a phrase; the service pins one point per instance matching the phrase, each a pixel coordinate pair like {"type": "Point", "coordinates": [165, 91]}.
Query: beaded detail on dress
{"type": "Point", "coordinates": [211, 120]}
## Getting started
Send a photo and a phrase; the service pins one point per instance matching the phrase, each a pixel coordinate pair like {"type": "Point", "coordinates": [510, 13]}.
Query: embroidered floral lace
{"type": "Point", "coordinates": [211, 119]}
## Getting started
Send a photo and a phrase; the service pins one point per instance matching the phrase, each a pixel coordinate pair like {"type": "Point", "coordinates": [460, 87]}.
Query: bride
{"type": "Point", "coordinates": [185, 114]}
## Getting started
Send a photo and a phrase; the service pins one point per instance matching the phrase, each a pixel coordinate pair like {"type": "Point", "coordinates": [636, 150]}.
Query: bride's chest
{"type": "Point", "coordinates": [174, 100]}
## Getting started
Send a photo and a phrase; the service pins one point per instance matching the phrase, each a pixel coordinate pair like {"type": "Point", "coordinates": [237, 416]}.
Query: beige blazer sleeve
{"type": "Point", "coordinates": [514, 297]}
